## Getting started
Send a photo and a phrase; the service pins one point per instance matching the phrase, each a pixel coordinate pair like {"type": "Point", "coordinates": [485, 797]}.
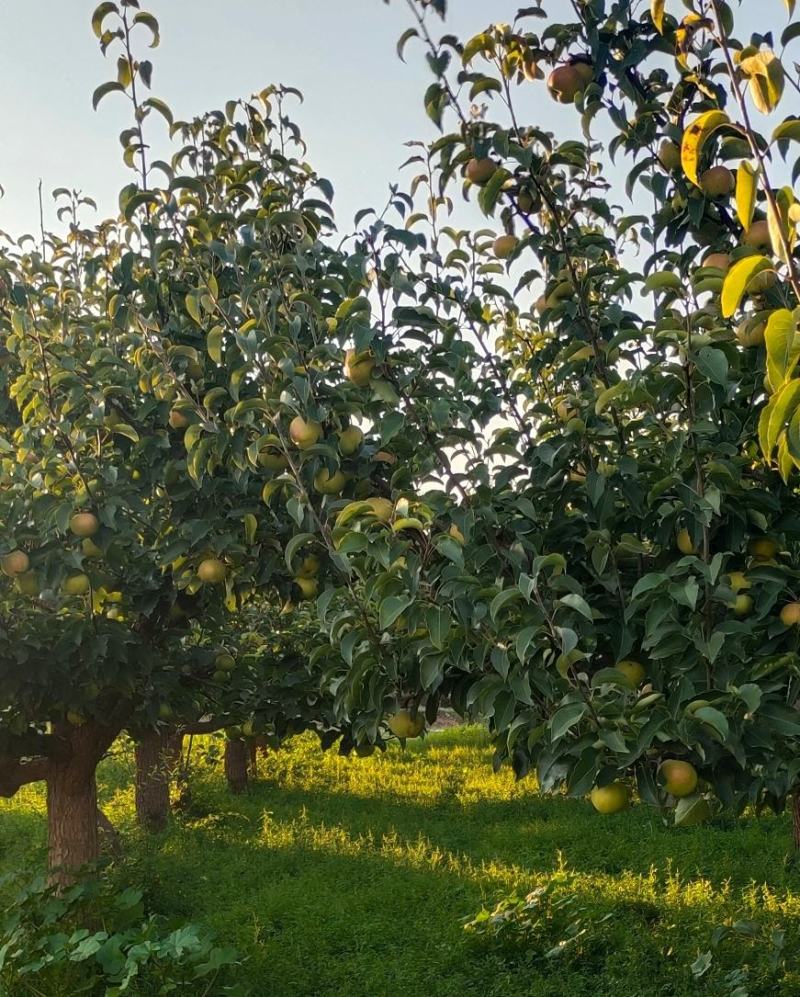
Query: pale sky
{"type": "Point", "coordinates": [361, 104]}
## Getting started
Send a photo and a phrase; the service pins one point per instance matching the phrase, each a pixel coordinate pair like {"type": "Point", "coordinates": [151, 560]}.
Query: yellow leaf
{"type": "Point", "coordinates": [737, 279]}
{"type": "Point", "coordinates": [657, 13]}
{"type": "Point", "coordinates": [695, 137]}
{"type": "Point", "coordinates": [746, 190]}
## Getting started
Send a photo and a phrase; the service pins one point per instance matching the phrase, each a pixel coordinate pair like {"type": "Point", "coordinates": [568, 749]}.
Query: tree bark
{"type": "Point", "coordinates": [73, 840]}
{"type": "Point", "coordinates": [236, 764]}
{"type": "Point", "coordinates": [157, 753]}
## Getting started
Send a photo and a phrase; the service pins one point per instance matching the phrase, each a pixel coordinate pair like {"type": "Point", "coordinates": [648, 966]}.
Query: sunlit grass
{"type": "Point", "coordinates": [354, 876]}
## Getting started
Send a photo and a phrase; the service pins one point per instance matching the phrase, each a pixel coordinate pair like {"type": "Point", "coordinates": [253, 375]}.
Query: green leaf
{"type": "Point", "coordinates": [250, 527]}
{"type": "Point", "coordinates": [692, 810]}
{"type": "Point", "coordinates": [106, 88]}
{"type": "Point", "coordinates": [193, 308]}
{"type": "Point", "coordinates": [578, 603]}
{"type": "Point", "coordinates": [564, 719]}
{"type": "Point", "coordinates": [298, 540]}
{"type": "Point", "coordinates": [149, 21]}
{"type": "Point", "coordinates": [101, 12]}
{"type": "Point", "coordinates": [438, 621]}
{"type": "Point", "coordinates": [711, 717]}
{"type": "Point", "coordinates": [404, 39]}
{"type": "Point", "coordinates": [502, 599]}
{"type": "Point", "coordinates": [391, 608]}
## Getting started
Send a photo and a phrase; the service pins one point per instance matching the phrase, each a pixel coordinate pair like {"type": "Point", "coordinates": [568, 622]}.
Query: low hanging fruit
{"type": "Point", "coordinates": [402, 724]}
{"type": "Point", "coordinates": [679, 777]}
{"type": "Point", "coordinates": [611, 799]}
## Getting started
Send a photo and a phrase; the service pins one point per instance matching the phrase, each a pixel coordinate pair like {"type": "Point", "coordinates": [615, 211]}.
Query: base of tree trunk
{"type": "Point", "coordinates": [72, 825]}
{"type": "Point", "coordinates": [236, 764]}
{"type": "Point", "coordinates": [157, 754]}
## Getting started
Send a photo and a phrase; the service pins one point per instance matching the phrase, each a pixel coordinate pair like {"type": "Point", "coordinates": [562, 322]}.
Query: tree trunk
{"type": "Point", "coordinates": [236, 764]}
{"type": "Point", "coordinates": [252, 752]}
{"type": "Point", "coordinates": [157, 754]}
{"type": "Point", "coordinates": [72, 836]}
{"type": "Point", "coordinates": [796, 819]}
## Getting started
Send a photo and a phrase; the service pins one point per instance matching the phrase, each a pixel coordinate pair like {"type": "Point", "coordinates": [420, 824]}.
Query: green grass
{"type": "Point", "coordinates": [353, 877]}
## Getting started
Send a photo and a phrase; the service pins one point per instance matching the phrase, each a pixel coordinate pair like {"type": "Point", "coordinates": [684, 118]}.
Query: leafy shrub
{"type": "Point", "coordinates": [94, 938]}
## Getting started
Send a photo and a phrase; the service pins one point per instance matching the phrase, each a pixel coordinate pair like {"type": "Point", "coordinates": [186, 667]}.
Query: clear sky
{"type": "Point", "coordinates": [362, 103]}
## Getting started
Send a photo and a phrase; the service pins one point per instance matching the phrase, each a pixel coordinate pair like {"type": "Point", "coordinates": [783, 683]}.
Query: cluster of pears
{"type": "Point", "coordinates": [678, 777]}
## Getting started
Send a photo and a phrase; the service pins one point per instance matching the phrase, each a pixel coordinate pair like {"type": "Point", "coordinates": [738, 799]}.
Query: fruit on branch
{"type": "Point", "coordinates": [679, 777]}
{"type": "Point", "coordinates": [719, 261]}
{"type": "Point", "coordinates": [90, 549]}
{"type": "Point", "coordinates": [304, 434]}
{"type": "Point", "coordinates": [717, 182]}
{"type": "Point", "coordinates": [763, 547]}
{"type": "Point", "coordinates": [684, 542]}
{"type": "Point", "coordinates": [309, 567]}
{"type": "Point", "coordinates": [350, 440]}
{"type": "Point", "coordinates": [271, 455]}
{"type": "Point", "coordinates": [790, 614]}
{"type": "Point", "coordinates": [669, 155]}
{"type": "Point", "coordinates": [456, 534]}
{"type": "Point", "coordinates": [738, 580]}
{"type": "Point", "coordinates": [77, 584]}
{"type": "Point", "coordinates": [382, 508]}
{"type": "Point", "coordinates": [402, 724]}
{"type": "Point", "coordinates": [750, 332]}
{"type": "Point", "coordinates": [757, 236]}
{"type": "Point", "coordinates": [742, 605]}
{"type": "Point", "coordinates": [178, 419]}
{"type": "Point", "coordinates": [762, 282]}
{"type": "Point", "coordinates": [212, 571]}
{"type": "Point", "coordinates": [27, 583]}
{"type": "Point", "coordinates": [480, 171]}
{"type": "Point", "coordinates": [611, 799]}
{"type": "Point", "coordinates": [528, 201]}
{"type": "Point", "coordinates": [566, 81]}
{"type": "Point", "coordinates": [358, 367]}
{"type": "Point", "coordinates": [308, 586]}
{"type": "Point", "coordinates": [329, 484]}
{"type": "Point", "coordinates": [224, 662]}
{"type": "Point", "coordinates": [632, 670]}
{"type": "Point", "coordinates": [84, 524]}
{"type": "Point", "coordinates": [504, 246]}
{"type": "Point", "coordinates": [15, 563]}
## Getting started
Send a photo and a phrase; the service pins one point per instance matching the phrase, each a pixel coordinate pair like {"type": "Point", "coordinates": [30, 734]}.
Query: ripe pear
{"type": "Point", "coordinates": [790, 614]}
{"type": "Point", "coordinates": [568, 80]}
{"type": "Point", "coordinates": [15, 563]}
{"type": "Point", "coordinates": [738, 581]}
{"type": "Point", "coordinates": [480, 171]}
{"type": "Point", "coordinates": [178, 419]}
{"type": "Point", "coordinates": [680, 778]}
{"type": "Point", "coordinates": [684, 542]}
{"type": "Point", "coordinates": [358, 367]}
{"type": "Point", "coordinates": [742, 605]}
{"type": "Point", "coordinates": [719, 261]}
{"type": "Point", "coordinates": [84, 524]}
{"type": "Point", "coordinates": [212, 571]}
{"type": "Point", "coordinates": [611, 799]}
{"type": "Point", "coordinates": [750, 332]}
{"type": "Point", "coordinates": [504, 246]}
{"type": "Point", "coordinates": [329, 484]}
{"type": "Point", "coordinates": [402, 724]}
{"type": "Point", "coordinates": [717, 182]}
{"type": "Point", "coordinates": [304, 434]}
{"type": "Point", "coordinates": [271, 455]}
{"type": "Point", "coordinates": [757, 236]}
{"type": "Point", "coordinates": [669, 155]}
{"type": "Point", "coordinates": [309, 567]}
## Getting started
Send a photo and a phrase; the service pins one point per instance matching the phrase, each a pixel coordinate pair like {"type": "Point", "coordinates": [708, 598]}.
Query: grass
{"type": "Point", "coordinates": [354, 876]}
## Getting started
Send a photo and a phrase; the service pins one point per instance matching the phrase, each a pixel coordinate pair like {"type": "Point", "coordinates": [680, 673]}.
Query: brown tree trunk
{"type": "Point", "coordinates": [796, 819]}
{"type": "Point", "coordinates": [236, 764]}
{"type": "Point", "coordinates": [73, 840]}
{"type": "Point", "coordinates": [252, 752]}
{"type": "Point", "coordinates": [157, 754]}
